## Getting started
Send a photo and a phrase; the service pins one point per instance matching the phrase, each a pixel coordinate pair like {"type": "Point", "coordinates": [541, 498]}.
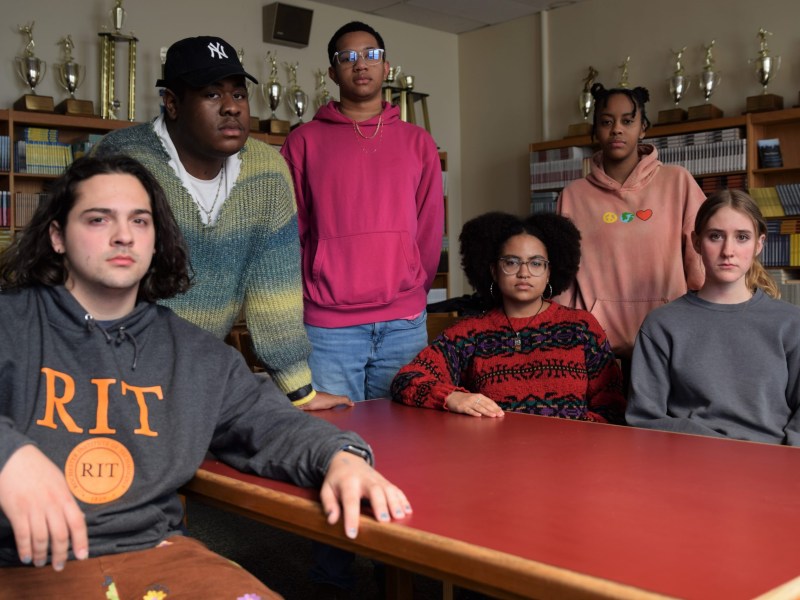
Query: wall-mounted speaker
{"type": "Point", "coordinates": [287, 25]}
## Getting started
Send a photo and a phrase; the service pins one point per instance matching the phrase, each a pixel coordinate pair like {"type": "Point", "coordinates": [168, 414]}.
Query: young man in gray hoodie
{"type": "Point", "coordinates": [109, 403]}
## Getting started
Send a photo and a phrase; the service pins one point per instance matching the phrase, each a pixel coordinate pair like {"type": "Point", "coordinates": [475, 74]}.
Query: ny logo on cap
{"type": "Point", "coordinates": [218, 49]}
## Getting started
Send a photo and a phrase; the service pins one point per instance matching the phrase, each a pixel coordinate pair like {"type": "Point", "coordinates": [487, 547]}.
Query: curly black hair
{"type": "Point", "coordinates": [482, 240]}
{"type": "Point", "coordinates": [638, 96]}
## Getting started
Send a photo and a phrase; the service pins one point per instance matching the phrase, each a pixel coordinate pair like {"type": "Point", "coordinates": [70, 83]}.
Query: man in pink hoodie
{"type": "Point", "coordinates": [371, 211]}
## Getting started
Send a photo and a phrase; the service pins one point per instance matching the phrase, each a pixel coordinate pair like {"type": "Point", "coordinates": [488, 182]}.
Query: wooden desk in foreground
{"type": "Point", "coordinates": [540, 507]}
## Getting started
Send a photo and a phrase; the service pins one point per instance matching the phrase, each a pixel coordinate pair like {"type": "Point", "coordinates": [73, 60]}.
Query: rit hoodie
{"type": "Point", "coordinates": [129, 409]}
{"type": "Point", "coordinates": [370, 211]}
{"type": "Point", "coordinates": [636, 248]}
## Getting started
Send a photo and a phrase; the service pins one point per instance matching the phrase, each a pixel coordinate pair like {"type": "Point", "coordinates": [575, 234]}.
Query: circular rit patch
{"type": "Point", "coordinates": [99, 470]}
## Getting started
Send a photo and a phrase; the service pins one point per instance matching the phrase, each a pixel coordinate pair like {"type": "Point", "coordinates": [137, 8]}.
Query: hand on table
{"type": "Point", "coordinates": [324, 401]}
{"type": "Point", "coordinates": [349, 479]}
{"type": "Point", "coordinates": [475, 405]}
{"type": "Point", "coordinates": [35, 499]}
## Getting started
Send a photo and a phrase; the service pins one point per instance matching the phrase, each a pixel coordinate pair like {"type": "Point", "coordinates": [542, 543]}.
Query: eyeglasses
{"type": "Point", "coordinates": [371, 56]}
{"type": "Point", "coordinates": [511, 265]}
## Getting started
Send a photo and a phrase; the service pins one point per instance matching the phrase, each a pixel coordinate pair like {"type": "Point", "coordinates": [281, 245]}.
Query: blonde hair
{"type": "Point", "coordinates": [756, 276]}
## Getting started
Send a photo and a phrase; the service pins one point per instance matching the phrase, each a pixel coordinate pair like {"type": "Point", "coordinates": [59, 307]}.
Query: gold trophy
{"type": "Point", "coordinates": [323, 95]}
{"type": "Point", "coordinates": [623, 76]}
{"type": "Point", "coordinates": [272, 92]}
{"type": "Point", "coordinates": [298, 99]}
{"type": "Point", "coordinates": [109, 103]}
{"type": "Point", "coordinates": [766, 68]}
{"type": "Point", "coordinates": [585, 105]}
{"type": "Point", "coordinates": [31, 70]}
{"type": "Point", "coordinates": [250, 93]}
{"type": "Point", "coordinates": [678, 86]}
{"type": "Point", "coordinates": [70, 76]}
{"type": "Point", "coordinates": [708, 81]}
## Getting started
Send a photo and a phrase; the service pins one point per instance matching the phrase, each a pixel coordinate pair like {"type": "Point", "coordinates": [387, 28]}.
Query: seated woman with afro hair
{"type": "Point", "coordinates": [525, 353]}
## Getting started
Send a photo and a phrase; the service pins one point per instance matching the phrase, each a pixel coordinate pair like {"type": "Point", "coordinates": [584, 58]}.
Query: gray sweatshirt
{"type": "Point", "coordinates": [728, 370]}
{"type": "Point", "coordinates": [129, 410]}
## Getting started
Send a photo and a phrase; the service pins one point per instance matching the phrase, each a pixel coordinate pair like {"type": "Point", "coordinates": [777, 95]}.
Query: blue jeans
{"type": "Point", "coordinates": [360, 361]}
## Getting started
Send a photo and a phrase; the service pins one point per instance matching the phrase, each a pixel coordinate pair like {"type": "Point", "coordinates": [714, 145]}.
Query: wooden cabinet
{"type": "Point", "coordinates": [783, 125]}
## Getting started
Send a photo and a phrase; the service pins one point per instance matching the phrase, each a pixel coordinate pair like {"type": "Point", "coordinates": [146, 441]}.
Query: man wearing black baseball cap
{"type": "Point", "coordinates": [233, 199]}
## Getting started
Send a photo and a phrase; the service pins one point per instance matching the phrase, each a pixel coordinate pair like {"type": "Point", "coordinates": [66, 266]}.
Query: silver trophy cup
{"type": "Point", "coordinates": [70, 76]}
{"type": "Point", "coordinates": [31, 70]}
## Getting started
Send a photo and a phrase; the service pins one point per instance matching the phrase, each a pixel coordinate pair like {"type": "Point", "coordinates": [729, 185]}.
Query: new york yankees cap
{"type": "Point", "coordinates": [199, 61]}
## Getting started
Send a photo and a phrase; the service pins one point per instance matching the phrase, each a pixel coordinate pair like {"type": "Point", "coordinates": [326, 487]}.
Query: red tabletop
{"type": "Point", "coordinates": [679, 515]}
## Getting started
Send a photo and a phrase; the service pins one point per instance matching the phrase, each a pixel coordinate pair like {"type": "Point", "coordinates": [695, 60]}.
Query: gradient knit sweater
{"type": "Point", "coordinates": [636, 240]}
{"type": "Point", "coordinates": [564, 367]}
{"type": "Point", "coordinates": [250, 257]}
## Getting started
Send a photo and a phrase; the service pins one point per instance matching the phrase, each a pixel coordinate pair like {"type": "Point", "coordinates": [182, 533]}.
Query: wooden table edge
{"type": "Point", "coordinates": [428, 554]}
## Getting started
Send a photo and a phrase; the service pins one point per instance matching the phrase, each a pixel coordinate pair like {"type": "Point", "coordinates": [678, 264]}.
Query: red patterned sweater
{"type": "Point", "coordinates": [564, 367]}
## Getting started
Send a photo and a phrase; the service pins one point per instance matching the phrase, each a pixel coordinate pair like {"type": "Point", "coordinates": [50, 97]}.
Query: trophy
{"type": "Point", "coordinates": [708, 81]}
{"type": "Point", "coordinates": [109, 103]}
{"type": "Point", "coordinates": [585, 104]}
{"type": "Point", "coordinates": [678, 86]}
{"type": "Point", "coordinates": [766, 68]}
{"type": "Point", "coordinates": [31, 70]}
{"type": "Point", "coordinates": [254, 123]}
{"type": "Point", "coordinates": [389, 88]}
{"type": "Point", "coordinates": [298, 99]}
{"type": "Point", "coordinates": [70, 76]}
{"type": "Point", "coordinates": [623, 76]}
{"type": "Point", "coordinates": [323, 95]}
{"type": "Point", "coordinates": [272, 92]}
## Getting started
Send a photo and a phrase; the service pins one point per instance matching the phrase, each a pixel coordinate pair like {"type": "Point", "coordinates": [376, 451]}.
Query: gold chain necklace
{"type": "Point", "coordinates": [210, 211]}
{"type": "Point", "coordinates": [357, 129]}
{"type": "Point", "coordinates": [517, 339]}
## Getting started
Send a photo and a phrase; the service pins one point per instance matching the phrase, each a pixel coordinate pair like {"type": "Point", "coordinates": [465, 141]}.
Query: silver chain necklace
{"type": "Point", "coordinates": [210, 211]}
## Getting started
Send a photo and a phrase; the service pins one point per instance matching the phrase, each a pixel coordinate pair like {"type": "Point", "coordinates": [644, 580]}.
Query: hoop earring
{"type": "Point", "coordinates": [550, 295]}
{"type": "Point", "coordinates": [491, 290]}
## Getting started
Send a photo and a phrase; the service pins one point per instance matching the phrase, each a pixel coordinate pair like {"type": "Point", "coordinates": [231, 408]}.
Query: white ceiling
{"type": "Point", "coordinates": [453, 16]}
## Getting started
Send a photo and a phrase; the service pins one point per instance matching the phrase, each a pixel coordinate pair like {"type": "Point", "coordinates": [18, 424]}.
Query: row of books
{"type": "Point", "coordinates": [5, 155]}
{"type": "Point", "coordinates": [779, 201]}
{"type": "Point", "coordinates": [696, 139]}
{"type": "Point", "coordinates": [558, 173]}
{"type": "Point", "coordinates": [543, 202]}
{"type": "Point", "coordinates": [41, 158]}
{"type": "Point", "coordinates": [789, 288]}
{"type": "Point", "coordinates": [39, 134]}
{"type": "Point", "coordinates": [714, 183]}
{"type": "Point", "coordinates": [6, 237]}
{"type": "Point", "coordinates": [5, 208]}
{"type": "Point", "coordinates": [25, 204]}
{"type": "Point", "coordinates": [49, 157]}
{"type": "Point", "coordinates": [718, 157]}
